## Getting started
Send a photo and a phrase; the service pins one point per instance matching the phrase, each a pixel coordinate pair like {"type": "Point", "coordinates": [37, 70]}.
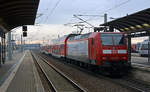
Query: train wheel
{"type": "Point", "coordinates": [67, 61]}
{"type": "Point", "coordinates": [116, 72]}
{"type": "Point", "coordinates": [82, 64]}
{"type": "Point", "coordinates": [94, 68]}
{"type": "Point", "coordinates": [86, 65]}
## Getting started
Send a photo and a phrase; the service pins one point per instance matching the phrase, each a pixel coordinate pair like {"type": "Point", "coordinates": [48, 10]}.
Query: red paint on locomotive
{"type": "Point", "coordinates": [103, 48]}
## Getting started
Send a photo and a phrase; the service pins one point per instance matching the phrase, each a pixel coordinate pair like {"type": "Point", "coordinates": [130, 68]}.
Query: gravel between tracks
{"type": "Point", "coordinates": [60, 83]}
{"type": "Point", "coordinates": [141, 75]}
{"type": "Point", "coordinates": [42, 77]}
{"type": "Point", "coordinates": [89, 82]}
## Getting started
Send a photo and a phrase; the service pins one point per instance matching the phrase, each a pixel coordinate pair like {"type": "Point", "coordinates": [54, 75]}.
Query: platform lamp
{"type": "Point", "coordinates": [24, 29]}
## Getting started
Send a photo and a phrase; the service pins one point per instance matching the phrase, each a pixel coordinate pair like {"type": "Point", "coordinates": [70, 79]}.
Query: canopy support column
{"type": "Point", "coordinates": [9, 46]}
{"type": "Point", "coordinates": [149, 50]}
{"type": "Point", "coordinates": [3, 48]}
{"type": "Point", "coordinates": [129, 47]}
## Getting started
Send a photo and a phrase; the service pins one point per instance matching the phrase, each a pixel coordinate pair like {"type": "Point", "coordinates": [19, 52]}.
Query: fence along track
{"type": "Point", "coordinates": [78, 88]}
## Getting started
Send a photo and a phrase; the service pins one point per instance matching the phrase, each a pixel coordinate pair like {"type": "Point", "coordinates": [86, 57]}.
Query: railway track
{"type": "Point", "coordinates": [127, 82]}
{"type": "Point", "coordinates": [141, 67]}
{"type": "Point", "coordinates": [57, 80]}
{"type": "Point", "coordinates": [133, 84]}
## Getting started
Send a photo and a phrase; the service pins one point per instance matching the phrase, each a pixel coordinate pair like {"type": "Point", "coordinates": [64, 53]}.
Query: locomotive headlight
{"type": "Point", "coordinates": [104, 58]}
{"type": "Point", "coordinates": [107, 51]}
{"type": "Point", "coordinates": [124, 58]}
{"type": "Point", "coordinates": [122, 51]}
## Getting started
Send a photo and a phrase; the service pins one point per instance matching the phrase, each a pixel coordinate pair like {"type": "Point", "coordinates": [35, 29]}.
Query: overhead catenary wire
{"type": "Point", "coordinates": [52, 10]}
{"type": "Point", "coordinates": [83, 20]}
{"type": "Point", "coordinates": [116, 6]}
{"type": "Point", "coordinates": [90, 15]}
{"type": "Point", "coordinates": [44, 13]}
{"type": "Point", "coordinates": [101, 15]}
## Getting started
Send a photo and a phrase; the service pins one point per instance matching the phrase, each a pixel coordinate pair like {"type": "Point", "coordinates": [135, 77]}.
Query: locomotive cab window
{"type": "Point", "coordinates": [112, 39]}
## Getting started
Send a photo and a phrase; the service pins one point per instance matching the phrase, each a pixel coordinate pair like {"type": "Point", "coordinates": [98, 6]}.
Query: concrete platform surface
{"type": "Point", "coordinates": [24, 77]}
{"type": "Point", "coordinates": [135, 54]}
{"type": "Point", "coordinates": [6, 68]}
{"type": "Point", "coordinates": [140, 63]}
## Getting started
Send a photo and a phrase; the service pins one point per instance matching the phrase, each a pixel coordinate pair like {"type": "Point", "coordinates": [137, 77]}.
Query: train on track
{"type": "Point", "coordinates": [106, 51]}
{"type": "Point", "coordinates": [143, 49]}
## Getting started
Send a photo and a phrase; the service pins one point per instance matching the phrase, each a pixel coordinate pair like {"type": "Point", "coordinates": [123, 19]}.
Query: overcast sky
{"type": "Point", "coordinates": [61, 11]}
{"type": "Point", "coordinates": [56, 13]}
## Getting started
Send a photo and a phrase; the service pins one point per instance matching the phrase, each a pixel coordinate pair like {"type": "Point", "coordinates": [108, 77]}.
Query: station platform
{"type": "Point", "coordinates": [23, 77]}
{"type": "Point", "coordinates": [6, 68]}
{"type": "Point", "coordinates": [140, 63]}
{"type": "Point", "coordinates": [20, 74]}
{"type": "Point", "coordinates": [135, 54]}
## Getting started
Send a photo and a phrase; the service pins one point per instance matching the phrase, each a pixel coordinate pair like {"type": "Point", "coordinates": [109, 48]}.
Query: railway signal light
{"type": "Point", "coordinates": [24, 34]}
{"type": "Point", "coordinates": [24, 29]}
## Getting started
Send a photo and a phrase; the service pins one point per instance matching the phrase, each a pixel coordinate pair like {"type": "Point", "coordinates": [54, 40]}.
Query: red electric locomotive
{"type": "Point", "coordinates": [105, 50]}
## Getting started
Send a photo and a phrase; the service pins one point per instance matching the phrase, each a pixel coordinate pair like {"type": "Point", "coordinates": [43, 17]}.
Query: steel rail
{"type": "Point", "coordinates": [135, 89]}
{"type": "Point", "coordinates": [46, 76]}
{"type": "Point", "coordinates": [63, 75]}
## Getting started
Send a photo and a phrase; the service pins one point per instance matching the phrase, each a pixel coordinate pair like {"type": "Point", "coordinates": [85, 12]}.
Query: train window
{"type": "Point", "coordinates": [144, 47]}
{"type": "Point", "coordinates": [118, 39]}
{"type": "Point", "coordinates": [106, 39]}
{"type": "Point", "coordinates": [77, 37]}
{"type": "Point", "coordinates": [112, 39]}
{"type": "Point", "coordinates": [71, 38]}
{"type": "Point", "coordinates": [62, 46]}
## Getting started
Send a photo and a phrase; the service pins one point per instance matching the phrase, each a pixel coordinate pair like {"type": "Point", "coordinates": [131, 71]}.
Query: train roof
{"type": "Point", "coordinates": [63, 38]}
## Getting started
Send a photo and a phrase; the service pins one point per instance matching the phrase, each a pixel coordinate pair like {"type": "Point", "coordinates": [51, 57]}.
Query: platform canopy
{"type": "Point", "coordinates": [14, 13]}
{"type": "Point", "coordinates": [134, 23]}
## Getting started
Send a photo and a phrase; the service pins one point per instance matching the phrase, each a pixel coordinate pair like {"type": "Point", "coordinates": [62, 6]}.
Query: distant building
{"type": "Point", "coordinates": [31, 46]}
{"type": "Point", "coordinates": [28, 46]}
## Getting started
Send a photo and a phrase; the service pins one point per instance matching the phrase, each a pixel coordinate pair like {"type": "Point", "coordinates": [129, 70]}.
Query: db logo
{"type": "Point", "coordinates": [114, 51]}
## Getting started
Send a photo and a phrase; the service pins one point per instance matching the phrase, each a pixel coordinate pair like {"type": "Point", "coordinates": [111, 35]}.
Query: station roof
{"type": "Point", "coordinates": [137, 22]}
{"type": "Point", "coordinates": [14, 13]}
